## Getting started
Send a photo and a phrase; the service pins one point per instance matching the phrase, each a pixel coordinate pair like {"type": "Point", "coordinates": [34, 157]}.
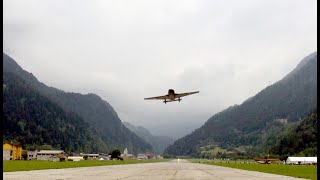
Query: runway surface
{"type": "Point", "coordinates": [175, 169]}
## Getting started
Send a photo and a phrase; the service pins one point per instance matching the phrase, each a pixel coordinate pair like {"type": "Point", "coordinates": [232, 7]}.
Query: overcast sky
{"type": "Point", "coordinates": [124, 51]}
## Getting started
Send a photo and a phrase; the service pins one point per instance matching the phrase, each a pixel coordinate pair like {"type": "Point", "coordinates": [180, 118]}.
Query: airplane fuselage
{"type": "Point", "coordinates": [171, 94]}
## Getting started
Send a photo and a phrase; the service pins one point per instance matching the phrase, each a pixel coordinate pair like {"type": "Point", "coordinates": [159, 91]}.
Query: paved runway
{"type": "Point", "coordinates": [153, 171]}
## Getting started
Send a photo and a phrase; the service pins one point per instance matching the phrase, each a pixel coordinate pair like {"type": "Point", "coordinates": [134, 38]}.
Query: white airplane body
{"type": "Point", "coordinates": [171, 96]}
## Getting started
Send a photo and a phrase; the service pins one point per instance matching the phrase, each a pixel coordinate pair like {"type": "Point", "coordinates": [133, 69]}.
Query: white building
{"type": "Point", "coordinates": [159, 157]}
{"type": "Point", "coordinates": [54, 159]}
{"type": "Point", "coordinates": [301, 160]}
{"type": "Point", "coordinates": [6, 154]}
{"type": "Point", "coordinates": [47, 154]}
{"type": "Point", "coordinates": [142, 156]}
{"type": "Point", "coordinates": [32, 154]}
{"type": "Point", "coordinates": [75, 158]}
{"type": "Point", "coordinates": [90, 156]}
{"type": "Point", "coordinates": [125, 154]}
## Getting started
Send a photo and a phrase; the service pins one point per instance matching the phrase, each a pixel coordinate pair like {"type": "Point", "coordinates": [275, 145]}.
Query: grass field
{"type": "Point", "coordinates": [21, 165]}
{"type": "Point", "coordinates": [299, 171]}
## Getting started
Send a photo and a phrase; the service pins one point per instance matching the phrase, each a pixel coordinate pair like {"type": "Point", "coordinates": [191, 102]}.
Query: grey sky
{"type": "Point", "coordinates": [127, 50]}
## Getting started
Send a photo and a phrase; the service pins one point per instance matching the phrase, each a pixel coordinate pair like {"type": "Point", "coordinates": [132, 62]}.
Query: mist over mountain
{"type": "Point", "coordinates": [97, 113]}
{"type": "Point", "coordinates": [241, 126]}
{"type": "Point", "coordinates": [159, 143]}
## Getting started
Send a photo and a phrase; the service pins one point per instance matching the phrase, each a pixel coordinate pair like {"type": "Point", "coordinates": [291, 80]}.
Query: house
{"type": "Point", "coordinates": [32, 154]}
{"type": "Point", "coordinates": [159, 157]}
{"type": "Point", "coordinates": [90, 156]}
{"type": "Point", "coordinates": [58, 158]}
{"type": "Point", "coordinates": [54, 159]}
{"type": "Point", "coordinates": [47, 154]}
{"type": "Point", "coordinates": [6, 154]}
{"type": "Point", "coordinates": [75, 158]}
{"type": "Point", "coordinates": [12, 151]}
{"type": "Point", "coordinates": [301, 160]}
{"type": "Point", "coordinates": [142, 156]}
{"type": "Point", "coordinates": [128, 156]}
{"type": "Point", "coordinates": [149, 155]}
{"type": "Point", "coordinates": [104, 156]}
{"type": "Point", "coordinates": [283, 121]}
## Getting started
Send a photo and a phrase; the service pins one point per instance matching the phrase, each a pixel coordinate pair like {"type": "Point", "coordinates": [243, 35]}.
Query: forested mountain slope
{"type": "Point", "coordinates": [33, 120]}
{"type": "Point", "coordinates": [301, 140]}
{"type": "Point", "coordinates": [91, 108]}
{"type": "Point", "coordinates": [291, 98]}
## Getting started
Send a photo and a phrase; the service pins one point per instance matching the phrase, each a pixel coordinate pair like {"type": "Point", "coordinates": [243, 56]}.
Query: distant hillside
{"type": "Point", "coordinates": [300, 141]}
{"type": "Point", "coordinates": [33, 120]}
{"type": "Point", "coordinates": [290, 98]}
{"type": "Point", "coordinates": [91, 108]}
{"type": "Point", "coordinates": [159, 143]}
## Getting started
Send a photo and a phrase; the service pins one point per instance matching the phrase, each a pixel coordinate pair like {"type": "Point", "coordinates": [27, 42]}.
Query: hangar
{"type": "Point", "coordinates": [301, 160]}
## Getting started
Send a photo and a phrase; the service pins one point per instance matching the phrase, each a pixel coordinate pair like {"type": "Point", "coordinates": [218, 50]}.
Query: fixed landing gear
{"type": "Point", "coordinates": [165, 101]}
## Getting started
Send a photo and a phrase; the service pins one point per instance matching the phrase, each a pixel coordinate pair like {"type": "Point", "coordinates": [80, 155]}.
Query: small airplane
{"type": "Point", "coordinates": [171, 96]}
{"type": "Point", "coordinates": [265, 160]}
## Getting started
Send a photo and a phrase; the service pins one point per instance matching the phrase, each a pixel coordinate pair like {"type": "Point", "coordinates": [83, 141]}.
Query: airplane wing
{"type": "Point", "coordinates": [157, 97]}
{"type": "Point", "coordinates": [185, 94]}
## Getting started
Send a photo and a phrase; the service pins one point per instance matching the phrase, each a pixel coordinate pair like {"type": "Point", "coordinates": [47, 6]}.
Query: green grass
{"type": "Point", "coordinates": [21, 165]}
{"type": "Point", "coordinates": [299, 171]}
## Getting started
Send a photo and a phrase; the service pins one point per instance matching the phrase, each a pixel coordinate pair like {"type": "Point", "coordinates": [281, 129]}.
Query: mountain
{"type": "Point", "coordinates": [301, 140]}
{"type": "Point", "coordinates": [159, 143]}
{"type": "Point", "coordinates": [33, 120]}
{"type": "Point", "coordinates": [96, 112]}
{"type": "Point", "coordinates": [240, 126]}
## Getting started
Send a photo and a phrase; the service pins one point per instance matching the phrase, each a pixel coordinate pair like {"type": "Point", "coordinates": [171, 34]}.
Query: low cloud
{"type": "Point", "coordinates": [125, 51]}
